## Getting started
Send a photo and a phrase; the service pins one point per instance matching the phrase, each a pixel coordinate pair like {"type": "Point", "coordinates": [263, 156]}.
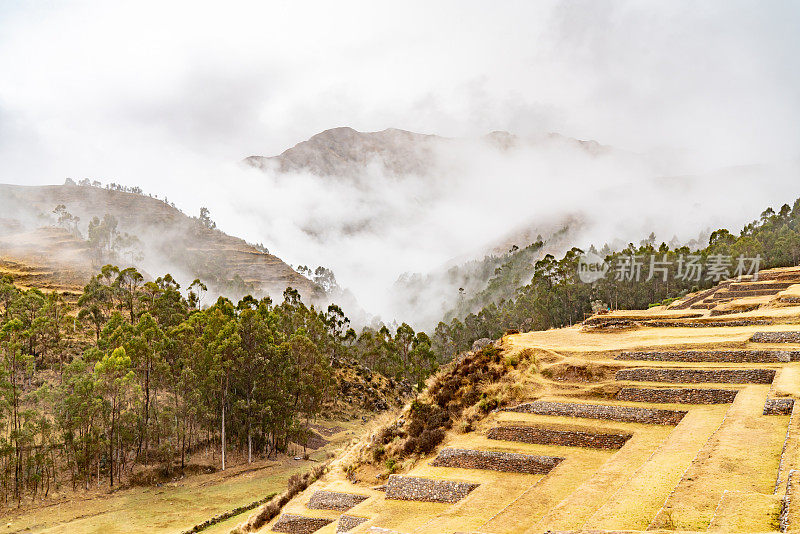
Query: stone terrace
{"type": "Point", "coordinates": [776, 337]}
{"type": "Point", "coordinates": [696, 376]}
{"type": "Point", "coordinates": [549, 436]}
{"type": "Point", "coordinates": [718, 356]}
{"type": "Point", "coordinates": [299, 524]}
{"type": "Point", "coordinates": [630, 414]}
{"type": "Point", "coordinates": [334, 500]}
{"type": "Point", "coordinates": [508, 462]}
{"type": "Point", "coordinates": [778, 406]}
{"type": "Point", "coordinates": [678, 395]}
{"type": "Point", "coordinates": [349, 522]}
{"type": "Point", "coordinates": [408, 488]}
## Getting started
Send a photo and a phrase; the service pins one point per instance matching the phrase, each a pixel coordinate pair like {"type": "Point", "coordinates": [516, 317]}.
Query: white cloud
{"type": "Point", "coordinates": [170, 95]}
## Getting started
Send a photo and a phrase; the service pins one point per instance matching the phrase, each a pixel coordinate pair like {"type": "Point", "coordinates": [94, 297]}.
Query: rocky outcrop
{"type": "Point", "coordinates": [508, 462]}
{"type": "Point", "coordinates": [408, 488]}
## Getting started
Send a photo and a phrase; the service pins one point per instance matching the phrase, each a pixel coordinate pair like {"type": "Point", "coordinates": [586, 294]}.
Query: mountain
{"type": "Point", "coordinates": [346, 153]}
{"type": "Point", "coordinates": [35, 249]}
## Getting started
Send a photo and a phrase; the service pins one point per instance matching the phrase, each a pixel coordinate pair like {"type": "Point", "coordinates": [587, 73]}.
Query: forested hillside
{"type": "Point", "coordinates": [116, 224]}
{"type": "Point", "coordinates": [557, 297]}
{"type": "Point", "coordinates": [140, 374]}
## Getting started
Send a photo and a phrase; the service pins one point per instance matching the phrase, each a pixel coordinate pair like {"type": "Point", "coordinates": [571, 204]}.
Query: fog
{"type": "Point", "coordinates": [697, 104]}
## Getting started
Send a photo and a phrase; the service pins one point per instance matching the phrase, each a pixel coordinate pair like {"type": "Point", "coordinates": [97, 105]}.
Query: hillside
{"type": "Point", "coordinates": [679, 419]}
{"type": "Point", "coordinates": [168, 241]}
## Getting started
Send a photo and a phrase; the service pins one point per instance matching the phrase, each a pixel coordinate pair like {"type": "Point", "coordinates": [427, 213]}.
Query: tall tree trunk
{"type": "Point", "coordinates": [224, 393]}
{"type": "Point", "coordinates": [111, 447]}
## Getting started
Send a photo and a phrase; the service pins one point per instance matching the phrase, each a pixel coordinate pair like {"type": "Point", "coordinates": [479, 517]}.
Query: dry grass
{"type": "Point", "coordinates": [746, 512]}
{"type": "Point", "coordinates": [635, 504]}
{"type": "Point", "coordinates": [742, 456]}
{"type": "Point", "coordinates": [172, 507]}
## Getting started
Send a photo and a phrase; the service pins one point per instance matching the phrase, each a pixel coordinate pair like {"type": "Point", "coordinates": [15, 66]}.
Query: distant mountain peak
{"type": "Point", "coordinates": [346, 152]}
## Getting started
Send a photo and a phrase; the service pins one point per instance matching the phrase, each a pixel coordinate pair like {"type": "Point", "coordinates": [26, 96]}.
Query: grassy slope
{"type": "Point", "coordinates": [742, 456]}
{"type": "Point", "coordinates": [175, 506]}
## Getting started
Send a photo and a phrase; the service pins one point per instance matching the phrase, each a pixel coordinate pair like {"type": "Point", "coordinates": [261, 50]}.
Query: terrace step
{"type": "Point", "coordinates": [678, 395]}
{"type": "Point", "coordinates": [548, 436]}
{"type": "Point", "coordinates": [334, 500]}
{"type": "Point", "coordinates": [733, 356]}
{"type": "Point", "coordinates": [299, 524]}
{"type": "Point", "coordinates": [691, 302]}
{"type": "Point", "coordinates": [745, 511]}
{"type": "Point", "coordinates": [743, 293]}
{"type": "Point", "coordinates": [706, 323]}
{"type": "Point", "coordinates": [696, 376]}
{"type": "Point", "coordinates": [349, 522]}
{"type": "Point", "coordinates": [748, 286]}
{"type": "Point", "coordinates": [408, 488]}
{"type": "Point", "coordinates": [776, 337]}
{"type": "Point", "coordinates": [628, 414]}
{"type": "Point", "coordinates": [507, 462]}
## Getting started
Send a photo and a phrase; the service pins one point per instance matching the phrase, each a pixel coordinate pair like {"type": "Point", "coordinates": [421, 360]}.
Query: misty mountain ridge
{"type": "Point", "coordinates": [345, 152]}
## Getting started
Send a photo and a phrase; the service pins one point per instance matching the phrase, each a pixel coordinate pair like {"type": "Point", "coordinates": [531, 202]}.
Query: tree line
{"type": "Point", "coordinates": [555, 296]}
{"type": "Point", "coordinates": [140, 373]}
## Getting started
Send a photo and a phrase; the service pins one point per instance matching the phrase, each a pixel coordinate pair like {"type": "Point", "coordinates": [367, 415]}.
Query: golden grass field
{"type": "Point", "coordinates": [172, 507]}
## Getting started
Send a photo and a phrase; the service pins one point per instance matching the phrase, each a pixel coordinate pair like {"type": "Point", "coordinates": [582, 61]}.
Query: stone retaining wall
{"type": "Point", "coordinates": [776, 337]}
{"type": "Point", "coordinates": [349, 522]}
{"type": "Point", "coordinates": [406, 488]}
{"type": "Point", "coordinates": [696, 376]}
{"type": "Point", "coordinates": [628, 414]}
{"type": "Point", "coordinates": [695, 299]}
{"type": "Point", "coordinates": [748, 286]}
{"type": "Point", "coordinates": [678, 395]}
{"type": "Point", "coordinates": [732, 356]}
{"type": "Point", "coordinates": [746, 293]}
{"type": "Point", "coordinates": [334, 500]}
{"type": "Point", "coordinates": [547, 436]}
{"type": "Point", "coordinates": [507, 462]}
{"type": "Point", "coordinates": [299, 524]}
{"type": "Point", "coordinates": [706, 324]}
{"type": "Point", "coordinates": [778, 406]}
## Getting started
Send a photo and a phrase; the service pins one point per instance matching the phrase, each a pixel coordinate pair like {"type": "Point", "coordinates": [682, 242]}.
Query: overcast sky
{"type": "Point", "coordinates": [85, 84]}
{"type": "Point", "coordinates": [170, 96]}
